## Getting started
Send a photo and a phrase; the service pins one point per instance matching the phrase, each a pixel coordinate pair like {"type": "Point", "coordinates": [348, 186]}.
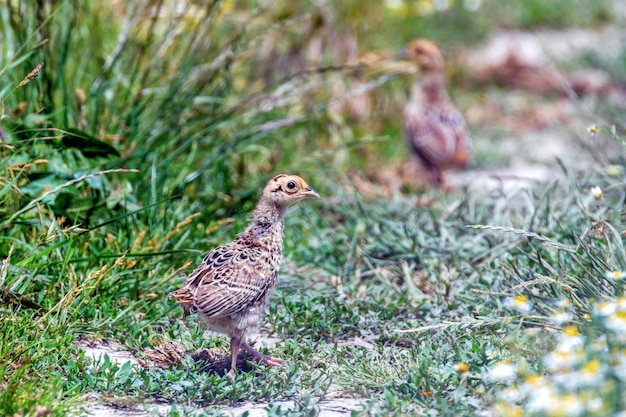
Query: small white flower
{"type": "Point", "coordinates": [532, 384]}
{"type": "Point", "coordinates": [568, 352]}
{"type": "Point", "coordinates": [616, 322]}
{"type": "Point", "coordinates": [599, 344]}
{"type": "Point", "coordinates": [592, 373]}
{"type": "Point", "coordinates": [559, 359]}
{"type": "Point", "coordinates": [596, 192]}
{"type": "Point", "coordinates": [511, 395]}
{"type": "Point", "coordinates": [592, 129]}
{"type": "Point", "coordinates": [560, 317]}
{"type": "Point", "coordinates": [594, 405]}
{"type": "Point", "coordinates": [490, 354]}
{"type": "Point", "coordinates": [519, 303]}
{"type": "Point", "coordinates": [616, 275]}
{"type": "Point", "coordinates": [542, 400]}
{"type": "Point", "coordinates": [618, 364]}
{"type": "Point", "coordinates": [570, 339]}
{"type": "Point", "coordinates": [604, 308]}
{"type": "Point", "coordinates": [565, 379]}
{"type": "Point", "coordinates": [504, 372]}
{"type": "Point", "coordinates": [570, 405]}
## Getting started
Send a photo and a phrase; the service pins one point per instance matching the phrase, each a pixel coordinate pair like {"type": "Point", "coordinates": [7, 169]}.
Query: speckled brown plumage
{"type": "Point", "coordinates": [230, 289]}
{"type": "Point", "coordinates": [435, 130]}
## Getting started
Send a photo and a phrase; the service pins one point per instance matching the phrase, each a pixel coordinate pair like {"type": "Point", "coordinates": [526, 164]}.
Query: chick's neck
{"type": "Point", "coordinates": [267, 219]}
{"type": "Point", "coordinates": [430, 86]}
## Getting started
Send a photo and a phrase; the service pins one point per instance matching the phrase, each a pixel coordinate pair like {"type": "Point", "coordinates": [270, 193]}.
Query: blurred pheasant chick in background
{"type": "Point", "coordinates": [435, 130]}
{"type": "Point", "coordinates": [230, 289]}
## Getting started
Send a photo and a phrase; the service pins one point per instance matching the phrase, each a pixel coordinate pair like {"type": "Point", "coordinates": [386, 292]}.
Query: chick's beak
{"type": "Point", "coordinates": [309, 193]}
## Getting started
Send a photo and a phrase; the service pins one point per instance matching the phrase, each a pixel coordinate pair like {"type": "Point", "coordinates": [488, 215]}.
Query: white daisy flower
{"type": "Point", "coordinates": [596, 192]}
{"type": "Point", "coordinates": [560, 317]}
{"type": "Point", "coordinates": [519, 303]}
{"type": "Point", "coordinates": [604, 308]}
{"type": "Point", "coordinates": [616, 322]}
{"type": "Point", "coordinates": [504, 372]}
{"type": "Point", "coordinates": [616, 275]}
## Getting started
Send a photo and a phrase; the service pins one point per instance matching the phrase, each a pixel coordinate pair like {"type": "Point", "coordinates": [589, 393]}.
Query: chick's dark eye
{"type": "Point", "coordinates": [291, 185]}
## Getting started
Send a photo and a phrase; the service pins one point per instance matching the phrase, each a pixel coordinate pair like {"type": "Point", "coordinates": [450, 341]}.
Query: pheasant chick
{"type": "Point", "coordinates": [435, 130]}
{"type": "Point", "coordinates": [230, 289]}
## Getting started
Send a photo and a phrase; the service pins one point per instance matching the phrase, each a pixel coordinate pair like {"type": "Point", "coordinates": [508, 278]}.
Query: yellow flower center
{"type": "Point", "coordinates": [592, 366]}
{"type": "Point", "coordinates": [570, 331]}
{"type": "Point", "coordinates": [533, 379]}
{"type": "Point", "coordinates": [520, 299]}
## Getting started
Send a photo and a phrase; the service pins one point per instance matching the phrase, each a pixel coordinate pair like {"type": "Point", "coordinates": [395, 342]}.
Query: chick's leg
{"type": "Point", "coordinates": [234, 351]}
{"type": "Point", "coordinates": [259, 357]}
{"type": "Point", "coordinates": [436, 178]}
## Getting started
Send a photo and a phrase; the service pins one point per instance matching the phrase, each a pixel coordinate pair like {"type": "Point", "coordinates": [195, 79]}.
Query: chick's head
{"type": "Point", "coordinates": [425, 54]}
{"type": "Point", "coordinates": [285, 190]}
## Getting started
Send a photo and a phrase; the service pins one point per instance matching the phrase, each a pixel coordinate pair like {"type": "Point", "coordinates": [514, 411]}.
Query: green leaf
{"type": "Point", "coordinates": [88, 145]}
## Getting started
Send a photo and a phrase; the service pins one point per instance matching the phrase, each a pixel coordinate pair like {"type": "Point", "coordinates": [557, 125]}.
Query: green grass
{"type": "Point", "coordinates": [130, 156]}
